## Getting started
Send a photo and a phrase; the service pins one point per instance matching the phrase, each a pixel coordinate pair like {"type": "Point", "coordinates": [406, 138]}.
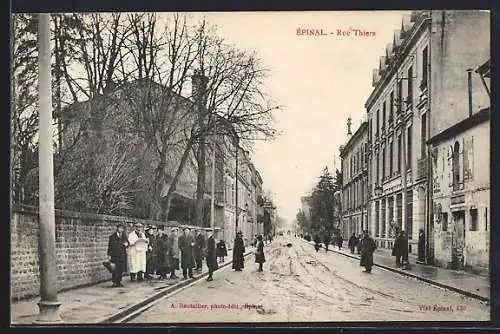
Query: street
{"type": "Point", "coordinates": [300, 285]}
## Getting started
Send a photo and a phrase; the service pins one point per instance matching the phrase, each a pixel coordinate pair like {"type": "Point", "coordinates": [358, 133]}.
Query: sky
{"type": "Point", "coordinates": [319, 80]}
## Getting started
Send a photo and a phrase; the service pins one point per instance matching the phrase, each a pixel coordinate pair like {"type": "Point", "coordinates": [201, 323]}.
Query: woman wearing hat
{"type": "Point", "coordinates": [238, 251]}
{"type": "Point", "coordinates": [259, 253]}
{"type": "Point", "coordinates": [211, 256]}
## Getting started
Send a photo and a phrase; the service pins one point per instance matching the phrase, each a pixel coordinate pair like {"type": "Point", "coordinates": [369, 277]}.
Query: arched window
{"type": "Point", "coordinates": [456, 166]}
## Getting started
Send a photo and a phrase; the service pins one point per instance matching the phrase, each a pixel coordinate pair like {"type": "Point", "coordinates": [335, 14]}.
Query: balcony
{"type": "Point", "coordinates": [422, 168]}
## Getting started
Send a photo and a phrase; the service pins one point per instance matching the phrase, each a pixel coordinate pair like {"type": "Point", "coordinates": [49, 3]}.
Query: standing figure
{"type": "Point", "coordinates": [399, 248]}
{"type": "Point", "coordinates": [326, 241]}
{"type": "Point", "coordinates": [138, 245]}
{"type": "Point", "coordinates": [151, 253]}
{"type": "Point", "coordinates": [260, 258]}
{"type": "Point", "coordinates": [353, 242]}
{"type": "Point", "coordinates": [340, 240]}
{"type": "Point", "coordinates": [117, 253]}
{"type": "Point", "coordinates": [162, 256]}
{"type": "Point", "coordinates": [199, 248]}
{"type": "Point", "coordinates": [358, 246]}
{"type": "Point", "coordinates": [317, 242]}
{"type": "Point", "coordinates": [173, 252]}
{"type": "Point", "coordinates": [421, 246]}
{"type": "Point", "coordinates": [186, 245]}
{"type": "Point", "coordinates": [211, 256]}
{"type": "Point", "coordinates": [367, 248]}
{"type": "Point", "coordinates": [221, 250]}
{"type": "Point", "coordinates": [238, 251]}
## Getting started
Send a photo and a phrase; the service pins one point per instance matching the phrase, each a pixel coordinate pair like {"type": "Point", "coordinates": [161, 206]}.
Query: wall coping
{"type": "Point", "coordinates": [32, 210]}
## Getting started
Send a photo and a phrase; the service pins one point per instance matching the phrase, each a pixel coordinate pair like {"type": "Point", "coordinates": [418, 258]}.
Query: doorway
{"type": "Point", "coordinates": [458, 240]}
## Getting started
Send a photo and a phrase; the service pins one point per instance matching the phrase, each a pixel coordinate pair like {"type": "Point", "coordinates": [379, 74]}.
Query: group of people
{"type": "Point", "coordinates": [146, 252]}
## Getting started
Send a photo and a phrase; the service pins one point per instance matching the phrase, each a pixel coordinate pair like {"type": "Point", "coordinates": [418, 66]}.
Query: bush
{"type": "Point", "coordinates": [307, 237]}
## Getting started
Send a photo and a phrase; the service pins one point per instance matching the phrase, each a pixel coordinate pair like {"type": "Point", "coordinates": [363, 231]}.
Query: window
{"type": "Point", "coordinates": [425, 68]}
{"type": "Point", "coordinates": [409, 148]}
{"type": "Point", "coordinates": [409, 98]}
{"type": "Point", "coordinates": [399, 210]}
{"type": "Point", "coordinates": [444, 223]}
{"type": "Point", "coordinates": [423, 133]}
{"type": "Point", "coordinates": [456, 166]}
{"type": "Point", "coordinates": [391, 157]}
{"type": "Point", "coordinates": [409, 213]}
{"type": "Point", "coordinates": [370, 130]}
{"type": "Point", "coordinates": [399, 154]}
{"type": "Point", "coordinates": [383, 163]}
{"type": "Point", "coordinates": [382, 221]}
{"type": "Point", "coordinates": [378, 167]}
{"type": "Point", "coordinates": [378, 122]}
{"type": "Point", "coordinates": [391, 110]}
{"type": "Point", "coordinates": [473, 220]}
{"type": "Point", "coordinates": [399, 101]}
{"type": "Point", "coordinates": [377, 217]}
{"type": "Point", "coordinates": [384, 114]}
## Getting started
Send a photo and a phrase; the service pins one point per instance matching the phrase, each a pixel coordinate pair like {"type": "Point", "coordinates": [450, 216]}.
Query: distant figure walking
{"type": "Point", "coordinates": [400, 248]}
{"type": "Point", "coordinates": [340, 240]}
{"type": "Point", "coordinates": [353, 242]}
{"type": "Point", "coordinates": [117, 254]}
{"type": "Point", "coordinates": [221, 250]}
{"type": "Point", "coordinates": [260, 258]}
{"type": "Point", "coordinates": [368, 246]}
{"type": "Point", "coordinates": [211, 256]}
{"type": "Point", "coordinates": [317, 243]}
{"type": "Point", "coordinates": [326, 241]}
{"type": "Point", "coordinates": [238, 251]}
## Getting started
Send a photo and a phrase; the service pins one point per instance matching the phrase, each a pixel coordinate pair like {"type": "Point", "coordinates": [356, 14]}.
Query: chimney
{"type": "Point", "coordinates": [349, 122]}
{"type": "Point", "coordinates": [199, 87]}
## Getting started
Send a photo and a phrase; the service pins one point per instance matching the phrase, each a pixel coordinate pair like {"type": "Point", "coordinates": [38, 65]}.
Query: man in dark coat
{"type": "Point", "coordinates": [221, 250]}
{"type": "Point", "coordinates": [199, 248]}
{"type": "Point", "coordinates": [367, 248]}
{"type": "Point", "coordinates": [260, 258]}
{"type": "Point", "coordinates": [186, 245]}
{"type": "Point", "coordinates": [399, 248]}
{"type": "Point", "coordinates": [162, 256]}
{"type": "Point", "coordinates": [326, 240]}
{"type": "Point", "coordinates": [238, 251]}
{"type": "Point", "coordinates": [211, 256]}
{"type": "Point", "coordinates": [117, 254]}
{"type": "Point", "coordinates": [340, 240]}
{"type": "Point", "coordinates": [151, 252]}
{"type": "Point", "coordinates": [353, 242]}
{"type": "Point", "coordinates": [173, 252]}
{"type": "Point", "coordinates": [358, 246]}
{"type": "Point", "coordinates": [421, 246]}
{"type": "Point", "coordinates": [317, 242]}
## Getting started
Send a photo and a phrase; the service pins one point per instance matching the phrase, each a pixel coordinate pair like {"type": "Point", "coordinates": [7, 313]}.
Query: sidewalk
{"type": "Point", "coordinates": [98, 303]}
{"type": "Point", "coordinates": [468, 284]}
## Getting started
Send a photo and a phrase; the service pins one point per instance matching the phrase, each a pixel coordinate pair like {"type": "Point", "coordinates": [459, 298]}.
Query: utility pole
{"type": "Point", "coordinates": [49, 304]}
{"type": "Point", "coordinates": [212, 202]}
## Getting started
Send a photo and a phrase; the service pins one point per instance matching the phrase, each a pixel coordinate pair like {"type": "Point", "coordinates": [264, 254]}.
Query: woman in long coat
{"type": "Point", "coordinates": [163, 258]}
{"type": "Point", "coordinates": [260, 258]}
{"type": "Point", "coordinates": [367, 248]}
{"type": "Point", "coordinates": [211, 256]}
{"type": "Point", "coordinates": [238, 251]}
{"type": "Point", "coordinates": [400, 248]}
{"type": "Point", "coordinates": [221, 250]}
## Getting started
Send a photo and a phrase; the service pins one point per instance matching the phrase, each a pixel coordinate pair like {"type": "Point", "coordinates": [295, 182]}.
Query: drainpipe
{"type": "Point", "coordinates": [469, 86]}
{"type": "Point", "coordinates": [430, 186]}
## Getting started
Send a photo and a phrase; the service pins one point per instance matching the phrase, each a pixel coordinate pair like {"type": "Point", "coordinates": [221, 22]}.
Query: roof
{"type": "Point", "coordinates": [357, 135]}
{"type": "Point", "coordinates": [480, 117]}
{"type": "Point", "coordinates": [485, 69]}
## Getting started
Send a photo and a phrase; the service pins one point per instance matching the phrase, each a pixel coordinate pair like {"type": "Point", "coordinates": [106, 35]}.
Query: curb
{"type": "Point", "coordinates": [420, 278]}
{"type": "Point", "coordinates": [127, 311]}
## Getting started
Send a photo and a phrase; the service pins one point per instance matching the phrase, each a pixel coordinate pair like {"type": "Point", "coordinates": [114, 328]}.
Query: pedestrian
{"type": "Point", "coordinates": [138, 245]}
{"type": "Point", "coordinates": [173, 252]}
{"type": "Point", "coordinates": [117, 253]}
{"type": "Point", "coordinates": [399, 248]}
{"type": "Point", "coordinates": [421, 246]}
{"type": "Point", "coordinates": [186, 245]}
{"type": "Point", "coordinates": [238, 251]}
{"type": "Point", "coordinates": [326, 240]}
{"type": "Point", "coordinates": [162, 256]}
{"type": "Point", "coordinates": [211, 256]}
{"type": "Point", "coordinates": [367, 248]}
{"type": "Point", "coordinates": [340, 240]}
{"type": "Point", "coordinates": [199, 248]}
{"type": "Point", "coordinates": [151, 253]}
{"type": "Point", "coordinates": [221, 250]}
{"type": "Point", "coordinates": [353, 242]}
{"type": "Point", "coordinates": [260, 258]}
{"type": "Point", "coordinates": [317, 242]}
{"type": "Point", "coordinates": [358, 246]}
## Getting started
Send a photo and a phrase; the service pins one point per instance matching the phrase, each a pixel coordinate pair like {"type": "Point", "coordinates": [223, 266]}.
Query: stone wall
{"type": "Point", "coordinates": [81, 247]}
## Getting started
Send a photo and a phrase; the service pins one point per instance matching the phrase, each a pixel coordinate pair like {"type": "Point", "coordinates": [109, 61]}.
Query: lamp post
{"type": "Point", "coordinates": [49, 304]}
{"type": "Point", "coordinates": [212, 201]}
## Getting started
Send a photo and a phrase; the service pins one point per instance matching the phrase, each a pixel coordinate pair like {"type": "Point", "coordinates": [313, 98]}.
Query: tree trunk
{"type": "Point", "coordinates": [200, 185]}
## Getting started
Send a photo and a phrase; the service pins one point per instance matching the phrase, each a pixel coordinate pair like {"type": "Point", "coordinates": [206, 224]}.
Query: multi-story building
{"type": "Point", "coordinates": [418, 85]}
{"type": "Point", "coordinates": [460, 155]}
{"type": "Point", "coordinates": [354, 192]}
{"type": "Point", "coordinates": [305, 202]}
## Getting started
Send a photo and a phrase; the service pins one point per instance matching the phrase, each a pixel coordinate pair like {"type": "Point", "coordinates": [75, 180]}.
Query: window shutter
{"type": "Point", "coordinates": [470, 158]}
{"type": "Point", "coordinates": [460, 165]}
{"type": "Point", "coordinates": [450, 166]}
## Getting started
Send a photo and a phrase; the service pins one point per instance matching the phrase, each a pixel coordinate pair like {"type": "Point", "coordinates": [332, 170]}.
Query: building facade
{"type": "Point", "coordinates": [420, 88]}
{"type": "Point", "coordinates": [354, 192]}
